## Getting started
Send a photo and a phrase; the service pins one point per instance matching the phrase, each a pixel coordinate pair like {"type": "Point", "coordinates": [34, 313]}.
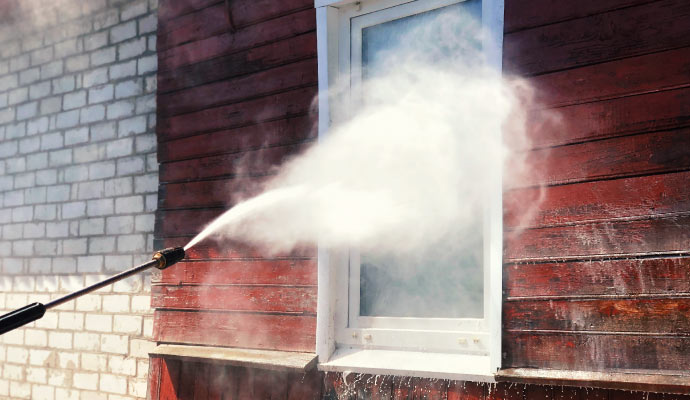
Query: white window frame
{"type": "Point", "coordinates": [464, 349]}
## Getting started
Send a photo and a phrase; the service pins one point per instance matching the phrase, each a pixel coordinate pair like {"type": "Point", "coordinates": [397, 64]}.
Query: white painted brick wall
{"type": "Point", "coordinates": [78, 190]}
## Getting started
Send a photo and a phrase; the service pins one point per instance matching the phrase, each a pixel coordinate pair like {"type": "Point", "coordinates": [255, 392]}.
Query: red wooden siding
{"type": "Point", "coordinates": [596, 241]}
{"type": "Point", "coordinates": [232, 106]}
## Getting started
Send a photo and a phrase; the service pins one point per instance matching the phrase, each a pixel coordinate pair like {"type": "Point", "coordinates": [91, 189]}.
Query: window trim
{"type": "Point", "coordinates": [330, 329]}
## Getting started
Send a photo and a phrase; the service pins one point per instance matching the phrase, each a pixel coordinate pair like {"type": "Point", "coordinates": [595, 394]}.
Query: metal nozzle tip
{"type": "Point", "coordinates": [169, 256]}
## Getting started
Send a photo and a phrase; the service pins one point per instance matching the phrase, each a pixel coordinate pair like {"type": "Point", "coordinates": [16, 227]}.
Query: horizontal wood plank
{"type": "Point", "coordinates": [252, 331]}
{"type": "Point", "coordinates": [657, 152]}
{"type": "Point", "coordinates": [598, 200]}
{"type": "Point", "coordinates": [611, 238]}
{"type": "Point", "coordinates": [279, 79]}
{"type": "Point", "coordinates": [647, 28]}
{"type": "Point", "coordinates": [249, 163]}
{"type": "Point", "coordinates": [243, 39]}
{"type": "Point", "coordinates": [264, 134]}
{"type": "Point", "coordinates": [248, 272]}
{"type": "Point", "coordinates": [302, 47]}
{"type": "Point", "coordinates": [596, 352]}
{"type": "Point", "coordinates": [524, 14]}
{"type": "Point", "coordinates": [210, 249]}
{"type": "Point", "coordinates": [170, 9]}
{"type": "Point", "coordinates": [609, 118]}
{"type": "Point", "coordinates": [647, 276]}
{"type": "Point", "coordinates": [648, 316]}
{"type": "Point", "coordinates": [646, 73]}
{"type": "Point", "coordinates": [212, 193]}
{"type": "Point", "coordinates": [235, 298]}
{"type": "Point", "coordinates": [284, 105]}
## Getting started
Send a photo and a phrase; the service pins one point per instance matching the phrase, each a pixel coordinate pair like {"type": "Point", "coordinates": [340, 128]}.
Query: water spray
{"type": "Point", "coordinates": [162, 259]}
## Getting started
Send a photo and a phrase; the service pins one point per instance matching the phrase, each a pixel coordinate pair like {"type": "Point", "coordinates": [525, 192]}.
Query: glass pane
{"type": "Point", "coordinates": [446, 281]}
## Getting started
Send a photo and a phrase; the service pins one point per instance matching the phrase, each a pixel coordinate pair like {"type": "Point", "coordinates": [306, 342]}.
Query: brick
{"type": "Point", "coordinates": [89, 153]}
{"type": "Point", "coordinates": [132, 126]}
{"type": "Point", "coordinates": [70, 320]}
{"type": "Point", "coordinates": [60, 157]}
{"type": "Point", "coordinates": [123, 32]}
{"type": "Point", "coordinates": [67, 48]}
{"type": "Point", "coordinates": [8, 82]}
{"type": "Point", "coordinates": [49, 321]}
{"type": "Point", "coordinates": [68, 360]}
{"type": "Point", "coordinates": [58, 377]}
{"type": "Point", "coordinates": [13, 372]}
{"type": "Point", "coordinates": [46, 177]}
{"type": "Point", "coordinates": [6, 115]}
{"type": "Point", "coordinates": [95, 77]}
{"type": "Point", "coordinates": [38, 125]}
{"type": "Point", "coordinates": [20, 390]}
{"type": "Point", "coordinates": [22, 214]}
{"type": "Point", "coordinates": [62, 265]}
{"type": "Point", "coordinates": [100, 94]}
{"type": "Point", "coordinates": [42, 55]}
{"type": "Point", "coordinates": [74, 100]}
{"type": "Point", "coordinates": [147, 64]}
{"type": "Point", "coordinates": [51, 105]}
{"type": "Point", "coordinates": [75, 136]}
{"type": "Point", "coordinates": [29, 145]}
{"type": "Point", "coordinates": [89, 302]}
{"type": "Point", "coordinates": [74, 246]}
{"type": "Point", "coordinates": [121, 109]}
{"type": "Point", "coordinates": [14, 165]}
{"type": "Point", "coordinates": [116, 344]}
{"type": "Point", "coordinates": [123, 365]}
{"type": "Point", "coordinates": [44, 392]}
{"type": "Point", "coordinates": [27, 110]}
{"type": "Point", "coordinates": [87, 341]}
{"type": "Point", "coordinates": [70, 283]}
{"type": "Point", "coordinates": [106, 19]}
{"type": "Point", "coordinates": [8, 148]}
{"type": "Point", "coordinates": [34, 195]}
{"type": "Point", "coordinates": [89, 264]}
{"type": "Point", "coordinates": [133, 87]}
{"type": "Point", "coordinates": [18, 355]}
{"type": "Point", "coordinates": [95, 41]}
{"type": "Point", "coordinates": [46, 247]}
{"type": "Point", "coordinates": [15, 131]}
{"type": "Point", "coordinates": [13, 337]}
{"type": "Point", "coordinates": [120, 148]}
{"type": "Point", "coordinates": [34, 230]}
{"type": "Point", "coordinates": [123, 70]}
{"type": "Point", "coordinates": [100, 170]}
{"type": "Point", "coordinates": [130, 165]}
{"type": "Point", "coordinates": [48, 284]}
{"type": "Point", "coordinates": [76, 173]}
{"type": "Point", "coordinates": [51, 70]}
{"type": "Point", "coordinates": [113, 384]}
{"type": "Point", "coordinates": [39, 90]}
{"type": "Point", "coordinates": [23, 248]}
{"type": "Point", "coordinates": [118, 186]}
{"type": "Point", "coordinates": [116, 303]}
{"type": "Point", "coordinates": [103, 56]}
{"type": "Point", "coordinates": [99, 207]}
{"type": "Point", "coordinates": [18, 95]}
{"type": "Point", "coordinates": [51, 141]}
{"type": "Point", "coordinates": [131, 48]}
{"type": "Point", "coordinates": [63, 85]}
{"type": "Point", "coordinates": [92, 114]}
{"type": "Point", "coordinates": [91, 226]}
{"type": "Point", "coordinates": [39, 265]}
{"type": "Point", "coordinates": [99, 322]}
{"type": "Point", "coordinates": [66, 394]}
{"type": "Point", "coordinates": [85, 380]}
{"type": "Point", "coordinates": [148, 24]}
{"type": "Point", "coordinates": [68, 119]}
{"type": "Point", "coordinates": [144, 223]}
{"type": "Point", "coordinates": [141, 348]}
{"type": "Point", "coordinates": [36, 337]}
{"type": "Point", "coordinates": [74, 209]}
{"type": "Point", "coordinates": [77, 63]}
{"type": "Point", "coordinates": [13, 198]}
{"type": "Point", "coordinates": [28, 76]}
{"type": "Point", "coordinates": [94, 362]}
{"type": "Point", "coordinates": [101, 245]}
{"type": "Point", "coordinates": [19, 63]}
{"type": "Point", "coordinates": [90, 190]}
{"type": "Point", "coordinates": [129, 204]}
{"type": "Point", "coordinates": [60, 340]}
{"type": "Point", "coordinates": [131, 324]}
{"type": "Point", "coordinates": [36, 375]}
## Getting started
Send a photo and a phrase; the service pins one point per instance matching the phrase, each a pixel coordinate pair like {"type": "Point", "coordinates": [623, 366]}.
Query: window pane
{"type": "Point", "coordinates": [446, 281]}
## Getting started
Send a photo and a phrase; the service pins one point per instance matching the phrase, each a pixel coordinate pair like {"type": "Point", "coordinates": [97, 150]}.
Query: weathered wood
{"type": "Point", "coordinates": [235, 298]}
{"type": "Point", "coordinates": [154, 373]}
{"type": "Point", "coordinates": [245, 38]}
{"type": "Point", "coordinates": [525, 14]}
{"type": "Point", "coordinates": [647, 73]}
{"type": "Point", "coordinates": [262, 135]}
{"type": "Point", "coordinates": [293, 49]}
{"type": "Point", "coordinates": [610, 118]}
{"type": "Point", "coordinates": [272, 81]}
{"type": "Point", "coordinates": [597, 200]}
{"type": "Point", "coordinates": [184, 222]}
{"type": "Point", "coordinates": [169, 379]}
{"type": "Point", "coordinates": [643, 29]}
{"type": "Point", "coordinates": [600, 352]}
{"type": "Point", "coordinates": [657, 152]}
{"type": "Point", "coordinates": [209, 250]}
{"type": "Point", "coordinates": [458, 390]}
{"type": "Point", "coordinates": [633, 237]}
{"type": "Point", "coordinates": [170, 9]}
{"type": "Point", "coordinates": [647, 276]}
{"type": "Point", "coordinates": [212, 193]}
{"type": "Point", "coordinates": [648, 316]}
{"type": "Point", "coordinates": [248, 272]}
{"type": "Point", "coordinates": [284, 105]}
{"type": "Point", "coordinates": [305, 386]}
{"type": "Point", "coordinates": [253, 331]}
{"type": "Point", "coordinates": [258, 162]}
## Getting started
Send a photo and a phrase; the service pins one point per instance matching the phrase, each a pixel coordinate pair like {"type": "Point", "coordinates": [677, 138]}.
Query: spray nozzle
{"type": "Point", "coordinates": [168, 257]}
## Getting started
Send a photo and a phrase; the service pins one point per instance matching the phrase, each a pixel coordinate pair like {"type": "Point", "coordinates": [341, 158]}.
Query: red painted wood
{"type": "Point", "coordinates": [213, 20]}
{"type": "Point", "coordinates": [649, 316]}
{"type": "Point", "coordinates": [602, 238]}
{"type": "Point", "coordinates": [643, 29]}
{"type": "Point", "coordinates": [283, 105]}
{"type": "Point", "coordinates": [214, 193]}
{"type": "Point", "coordinates": [293, 49]}
{"type": "Point", "coordinates": [169, 9]}
{"type": "Point", "coordinates": [598, 200]}
{"type": "Point", "coordinates": [257, 272]}
{"type": "Point", "coordinates": [276, 80]}
{"type": "Point", "coordinates": [537, 392]}
{"type": "Point", "coordinates": [154, 374]}
{"type": "Point", "coordinates": [201, 381]}
{"type": "Point", "coordinates": [245, 38]}
{"type": "Point", "coordinates": [169, 380]}
{"type": "Point", "coordinates": [255, 162]}
{"type": "Point", "coordinates": [657, 152]}
{"type": "Point", "coordinates": [209, 249]}
{"type": "Point", "coordinates": [267, 134]}
{"type": "Point", "coordinates": [184, 222]}
{"type": "Point", "coordinates": [524, 14]}
{"type": "Point", "coordinates": [305, 386]}
{"type": "Point", "coordinates": [458, 390]}
{"type": "Point", "coordinates": [256, 331]}
{"type": "Point", "coordinates": [592, 278]}
{"type": "Point", "coordinates": [647, 73]}
{"type": "Point", "coordinates": [187, 380]}
{"type": "Point", "coordinates": [235, 298]}
{"type": "Point", "coordinates": [610, 118]}
{"type": "Point", "coordinates": [505, 391]}
{"type": "Point", "coordinates": [595, 352]}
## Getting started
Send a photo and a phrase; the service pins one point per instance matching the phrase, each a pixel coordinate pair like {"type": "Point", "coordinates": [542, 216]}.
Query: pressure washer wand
{"type": "Point", "coordinates": [161, 259]}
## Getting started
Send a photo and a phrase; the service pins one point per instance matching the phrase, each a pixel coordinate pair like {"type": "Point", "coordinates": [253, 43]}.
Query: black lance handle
{"type": "Point", "coordinates": [161, 259]}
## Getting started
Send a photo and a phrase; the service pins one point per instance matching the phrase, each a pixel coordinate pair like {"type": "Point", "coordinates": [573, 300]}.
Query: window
{"type": "Point", "coordinates": [371, 320]}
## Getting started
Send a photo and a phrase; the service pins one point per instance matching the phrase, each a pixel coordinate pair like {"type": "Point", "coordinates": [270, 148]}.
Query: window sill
{"type": "Point", "coordinates": [250, 358]}
{"type": "Point", "coordinates": [408, 363]}
{"type": "Point", "coordinates": [648, 382]}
